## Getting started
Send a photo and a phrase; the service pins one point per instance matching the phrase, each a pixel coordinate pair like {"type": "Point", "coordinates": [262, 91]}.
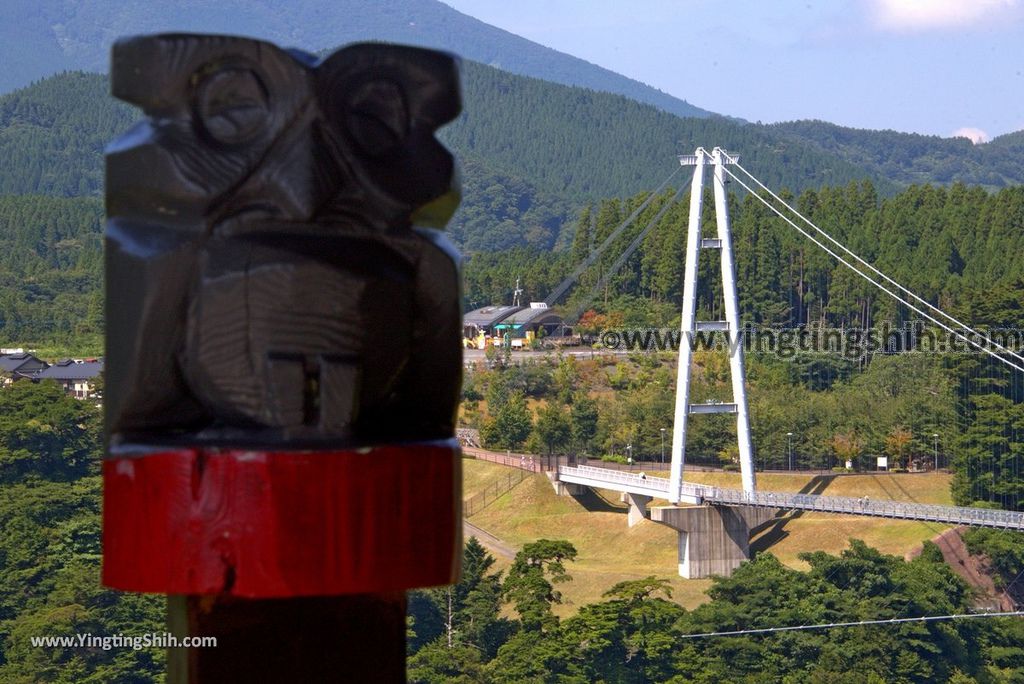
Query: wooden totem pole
{"type": "Point", "coordinates": [284, 358]}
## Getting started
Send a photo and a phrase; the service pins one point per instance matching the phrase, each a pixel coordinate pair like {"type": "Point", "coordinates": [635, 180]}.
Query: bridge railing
{"type": "Point", "coordinates": [864, 506]}
{"type": "Point", "coordinates": [616, 476]}
{"type": "Point", "coordinates": [956, 515]}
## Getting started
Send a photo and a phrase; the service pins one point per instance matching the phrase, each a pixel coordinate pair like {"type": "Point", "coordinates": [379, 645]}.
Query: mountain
{"type": "Point", "coordinates": [570, 144]}
{"type": "Point", "coordinates": [907, 158]}
{"type": "Point", "coordinates": [533, 150]}
{"type": "Point", "coordinates": [41, 37]}
{"type": "Point", "coordinates": [52, 135]}
{"type": "Point", "coordinates": [51, 269]}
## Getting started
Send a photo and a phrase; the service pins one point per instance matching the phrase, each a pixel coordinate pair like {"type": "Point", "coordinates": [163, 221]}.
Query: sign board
{"type": "Point", "coordinates": [883, 462]}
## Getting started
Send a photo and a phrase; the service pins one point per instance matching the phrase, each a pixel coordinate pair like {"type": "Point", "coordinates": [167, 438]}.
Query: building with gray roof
{"type": "Point", "coordinates": [537, 318]}
{"type": "Point", "coordinates": [78, 378]}
{"type": "Point", "coordinates": [19, 366]}
{"type": "Point", "coordinates": [486, 319]}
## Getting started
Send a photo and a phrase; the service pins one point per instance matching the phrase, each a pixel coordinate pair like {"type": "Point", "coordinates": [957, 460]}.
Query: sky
{"type": "Point", "coordinates": [937, 67]}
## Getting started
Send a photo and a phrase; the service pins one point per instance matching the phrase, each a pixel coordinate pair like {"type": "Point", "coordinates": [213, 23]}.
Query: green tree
{"type": "Point", "coordinates": [463, 614]}
{"type": "Point", "coordinates": [45, 432]}
{"type": "Point", "coordinates": [527, 658]}
{"type": "Point", "coordinates": [583, 418]}
{"type": "Point", "coordinates": [628, 638]}
{"type": "Point", "coordinates": [897, 445]}
{"type": "Point", "coordinates": [566, 379]}
{"type": "Point", "coordinates": [527, 585]}
{"type": "Point", "coordinates": [437, 663]}
{"type": "Point", "coordinates": [553, 429]}
{"type": "Point", "coordinates": [510, 425]}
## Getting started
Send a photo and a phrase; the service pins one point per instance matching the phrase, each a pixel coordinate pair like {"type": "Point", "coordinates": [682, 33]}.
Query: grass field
{"type": "Point", "coordinates": [478, 475]}
{"type": "Point", "coordinates": [831, 533]}
{"type": "Point", "coordinates": [610, 551]}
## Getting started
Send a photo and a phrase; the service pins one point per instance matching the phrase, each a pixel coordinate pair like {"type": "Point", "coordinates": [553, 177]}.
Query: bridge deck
{"type": "Point", "coordinates": [696, 493]}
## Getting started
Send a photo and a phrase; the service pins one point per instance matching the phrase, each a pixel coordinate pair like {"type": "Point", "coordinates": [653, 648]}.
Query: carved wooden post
{"type": "Point", "coordinates": [283, 337]}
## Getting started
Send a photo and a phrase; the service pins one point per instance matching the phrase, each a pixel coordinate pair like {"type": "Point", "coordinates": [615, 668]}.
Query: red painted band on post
{"type": "Point", "coordinates": [277, 524]}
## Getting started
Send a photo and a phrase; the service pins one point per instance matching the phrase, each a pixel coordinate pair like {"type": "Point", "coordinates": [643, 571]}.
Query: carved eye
{"type": "Point", "coordinates": [232, 106]}
{"type": "Point", "coordinates": [377, 117]}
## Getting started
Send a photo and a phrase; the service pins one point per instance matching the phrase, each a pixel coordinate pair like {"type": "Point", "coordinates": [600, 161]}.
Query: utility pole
{"type": "Point", "coordinates": [662, 446]}
{"type": "Point", "coordinates": [935, 436]}
{"type": "Point", "coordinates": [790, 436]}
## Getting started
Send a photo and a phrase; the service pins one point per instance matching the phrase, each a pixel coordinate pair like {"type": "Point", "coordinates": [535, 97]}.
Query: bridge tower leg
{"type": "Point", "coordinates": [689, 325]}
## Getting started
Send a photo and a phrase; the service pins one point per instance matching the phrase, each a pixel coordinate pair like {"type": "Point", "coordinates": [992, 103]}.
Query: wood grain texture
{"type": "Point", "coordinates": [274, 279]}
{"type": "Point", "coordinates": [264, 524]}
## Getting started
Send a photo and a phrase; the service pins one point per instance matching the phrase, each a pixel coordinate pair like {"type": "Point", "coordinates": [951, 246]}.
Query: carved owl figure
{"type": "Point", "coordinates": [275, 275]}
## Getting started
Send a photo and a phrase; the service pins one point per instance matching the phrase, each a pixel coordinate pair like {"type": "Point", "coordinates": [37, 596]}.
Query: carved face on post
{"type": "Point", "coordinates": [268, 281]}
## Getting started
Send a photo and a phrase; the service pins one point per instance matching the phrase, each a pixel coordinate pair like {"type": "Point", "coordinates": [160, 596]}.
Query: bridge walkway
{"type": "Point", "coordinates": [657, 487]}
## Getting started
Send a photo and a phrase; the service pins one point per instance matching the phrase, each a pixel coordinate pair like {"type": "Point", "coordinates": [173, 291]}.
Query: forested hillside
{"type": "Point", "coordinates": [907, 158]}
{"type": "Point", "coordinates": [946, 244]}
{"type": "Point", "coordinates": [40, 38]}
{"type": "Point", "coordinates": [492, 626]}
{"type": "Point", "coordinates": [50, 546]}
{"type": "Point", "coordinates": [533, 151]}
{"type": "Point", "coordinates": [52, 135]}
{"type": "Point", "coordinates": [585, 144]}
{"type": "Point", "coordinates": [51, 271]}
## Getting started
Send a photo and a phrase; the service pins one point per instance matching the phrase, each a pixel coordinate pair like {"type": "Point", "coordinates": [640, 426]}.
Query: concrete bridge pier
{"type": "Point", "coordinates": [637, 507]}
{"type": "Point", "coordinates": [565, 488]}
{"type": "Point", "coordinates": [713, 540]}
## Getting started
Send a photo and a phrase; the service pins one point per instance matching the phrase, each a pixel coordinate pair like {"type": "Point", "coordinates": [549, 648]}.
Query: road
{"type": "Point", "coordinates": [488, 540]}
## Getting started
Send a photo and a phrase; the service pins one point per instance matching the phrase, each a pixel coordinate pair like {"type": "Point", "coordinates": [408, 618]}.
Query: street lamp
{"type": "Point", "coordinates": [629, 455]}
{"type": "Point", "coordinates": [935, 436]}
{"type": "Point", "coordinates": [663, 446]}
{"type": "Point", "coordinates": [790, 436]}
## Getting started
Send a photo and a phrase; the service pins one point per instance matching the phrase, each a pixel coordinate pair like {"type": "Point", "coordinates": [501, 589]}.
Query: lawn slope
{"type": "Point", "coordinates": [610, 551]}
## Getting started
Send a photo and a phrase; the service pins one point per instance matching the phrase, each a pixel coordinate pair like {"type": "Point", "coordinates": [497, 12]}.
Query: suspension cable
{"type": "Point", "coordinates": [859, 623]}
{"type": "Point", "coordinates": [557, 293]}
{"type": "Point", "coordinates": [628, 252]}
{"type": "Point", "coordinates": [868, 278]}
{"type": "Point", "coordinates": [988, 340]}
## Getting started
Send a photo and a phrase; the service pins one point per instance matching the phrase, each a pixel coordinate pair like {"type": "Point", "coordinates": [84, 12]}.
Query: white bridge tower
{"type": "Point", "coordinates": [689, 325]}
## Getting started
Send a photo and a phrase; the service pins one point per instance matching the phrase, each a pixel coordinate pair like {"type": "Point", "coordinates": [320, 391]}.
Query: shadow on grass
{"type": "Point", "coordinates": [775, 529]}
{"type": "Point", "coordinates": [595, 503]}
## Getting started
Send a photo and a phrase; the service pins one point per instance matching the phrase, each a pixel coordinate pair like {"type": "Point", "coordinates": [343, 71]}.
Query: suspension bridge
{"type": "Point", "coordinates": [715, 523]}
{"type": "Point", "coordinates": [697, 494]}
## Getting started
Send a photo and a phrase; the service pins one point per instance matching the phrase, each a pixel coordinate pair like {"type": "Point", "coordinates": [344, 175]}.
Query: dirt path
{"type": "Point", "coordinates": [974, 569]}
{"type": "Point", "coordinates": [488, 540]}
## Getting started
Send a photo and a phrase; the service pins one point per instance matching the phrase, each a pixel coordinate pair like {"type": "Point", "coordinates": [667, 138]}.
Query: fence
{"type": "Point", "coordinates": [534, 464]}
{"type": "Point", "coordinates": [482, 500]}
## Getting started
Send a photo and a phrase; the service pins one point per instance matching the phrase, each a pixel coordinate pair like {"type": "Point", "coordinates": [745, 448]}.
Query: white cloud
{"type": "Point", "coordinates": [922, 15]}
{"type": "Point", "coordinates": [975, 135]}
